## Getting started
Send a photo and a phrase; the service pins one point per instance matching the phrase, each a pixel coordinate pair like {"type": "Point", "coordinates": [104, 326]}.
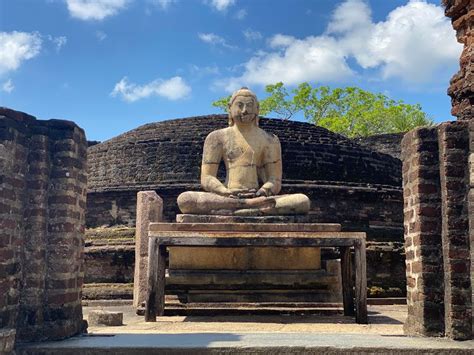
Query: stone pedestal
{"type": "Point", "coordinates": [245, 258]}
{"type": "Point", "coordinates": [269, 274]}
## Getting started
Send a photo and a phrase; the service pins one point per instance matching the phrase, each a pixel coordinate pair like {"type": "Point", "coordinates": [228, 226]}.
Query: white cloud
{"type": "Point", "coordinates": [221, 5]}
{"type": "Point", "coordinates": [214, 40]}
{"type": "Point", "coordinates": [59, 42]}
{"type": "Point", "coordinates": [16, 47]}
{"type": "Point", "coordinates": [164, 4]}
{"type": "Point", "coordinates": [95, 9]}
{"type": "Point", "coordinates": [252, 35]}
{"type": "Point", "coordinates": [314, 58]}
{"type": "Point", "coordinates": [101, 35]}
{"type": "Point", "coordinates": [280, 40]}
{"type": "Point", "coordinates": [413, 43]}
{"type": "Point", "coordinates": [207, 70]}
{"type": "Point", "coordinates": [172, 89]}
{"type": "Point", "coordinates": [8, 86]}
{"type": "Point", "coordinates": [241, 14]}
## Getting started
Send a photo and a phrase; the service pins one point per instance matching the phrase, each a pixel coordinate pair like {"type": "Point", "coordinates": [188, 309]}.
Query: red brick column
{"type": "Point", "coordinates": [422, 223]}
{"type": "Point", "coordinates": [42, 219]}
{"type": "Point", "coordinates": [454, 175]}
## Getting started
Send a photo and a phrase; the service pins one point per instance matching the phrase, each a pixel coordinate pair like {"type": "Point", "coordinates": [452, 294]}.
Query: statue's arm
{"type": "Point", "coordinates": [273, 169]}
{"type": "Point", "coordinates": [211, 158]}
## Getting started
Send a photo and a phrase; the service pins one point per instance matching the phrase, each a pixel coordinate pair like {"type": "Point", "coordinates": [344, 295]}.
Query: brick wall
{"type": "Point", "coordinates": [42, 218]}
{"type": "Point", "coordinates": [170, 152]}
{"type": "Point", "coordinates": [436, 189]}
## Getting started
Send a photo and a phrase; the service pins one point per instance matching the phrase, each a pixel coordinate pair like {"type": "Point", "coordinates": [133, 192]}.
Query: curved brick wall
{"type": "Point", "coordinates": [42, 217]}
{"type": "Point", "coordinates": [170, 152]}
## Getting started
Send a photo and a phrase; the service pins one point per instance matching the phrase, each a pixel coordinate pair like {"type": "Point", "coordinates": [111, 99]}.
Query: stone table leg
{"type": "Point", "coordinates": [347, 284]}
{"type": "Point", "coordinates": [360, 282]}
{"type": "Point", "coordinates": [155, 303]}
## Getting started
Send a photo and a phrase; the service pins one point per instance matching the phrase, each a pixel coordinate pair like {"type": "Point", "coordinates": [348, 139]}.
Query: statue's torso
{"type": "Point", "coordinates": [244, 157]}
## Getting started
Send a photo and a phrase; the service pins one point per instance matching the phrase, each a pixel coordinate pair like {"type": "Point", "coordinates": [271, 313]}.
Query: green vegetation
{"type": "Point", "coordinates": [350, 111]}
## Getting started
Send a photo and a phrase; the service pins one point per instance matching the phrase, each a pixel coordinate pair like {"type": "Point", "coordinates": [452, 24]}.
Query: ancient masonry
{"type": "Point", "coordinates": [42, 219]}
{"type": "Point", "coordinates": [439, 205]}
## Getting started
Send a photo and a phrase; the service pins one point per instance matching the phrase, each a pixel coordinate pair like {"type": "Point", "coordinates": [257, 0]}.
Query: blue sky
{"type": "Point", "coordinates": [112, 65]}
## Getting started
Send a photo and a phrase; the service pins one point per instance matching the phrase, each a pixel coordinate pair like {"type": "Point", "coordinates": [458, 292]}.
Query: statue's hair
{"type": "Point", "coordinates": [244, 91]}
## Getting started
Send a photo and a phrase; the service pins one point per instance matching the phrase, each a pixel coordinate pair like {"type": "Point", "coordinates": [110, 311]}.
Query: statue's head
{"type": "Point", "coordinates": [243, 107]}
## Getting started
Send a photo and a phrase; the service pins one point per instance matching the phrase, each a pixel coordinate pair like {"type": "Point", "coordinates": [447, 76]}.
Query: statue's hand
{"type": "Point", "coordinates": [237, 193]}
{"type": "Point", "coordinates": [224, 192]}
{"type": "Point", "coordinates": [263, 192]}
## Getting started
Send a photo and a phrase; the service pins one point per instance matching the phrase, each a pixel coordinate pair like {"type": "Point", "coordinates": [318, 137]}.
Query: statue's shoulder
{"type": "Point", "coordinates": [217, 135]}
{"type": "Point", "coordinates": [270, 137]}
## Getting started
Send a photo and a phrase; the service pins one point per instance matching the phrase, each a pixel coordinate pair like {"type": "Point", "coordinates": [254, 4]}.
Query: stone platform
{"type": "Point", "coordinates": [256, 274]}
{"type": "Point", "coordinates": [298, 333]}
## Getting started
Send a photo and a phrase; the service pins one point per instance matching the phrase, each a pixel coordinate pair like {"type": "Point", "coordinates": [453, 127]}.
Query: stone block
{"type": "Point", "coordinates": [108, 318]}
{"type": "Point", "coordinates": [149, 209]}
{"type": "Point", "coordinates": [7, 340]}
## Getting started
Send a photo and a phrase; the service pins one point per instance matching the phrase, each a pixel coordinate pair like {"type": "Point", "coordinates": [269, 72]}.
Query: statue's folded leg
{"type": "Point", "coordinates": [289, 205]}
{"type": "Point", "coordinates": [197, 202]}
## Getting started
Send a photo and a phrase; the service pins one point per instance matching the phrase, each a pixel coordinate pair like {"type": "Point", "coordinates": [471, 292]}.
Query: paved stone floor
{"type": "Point", "coordinates": [385, 320]}
{"type": "Point", "coordinates": [218, 332]}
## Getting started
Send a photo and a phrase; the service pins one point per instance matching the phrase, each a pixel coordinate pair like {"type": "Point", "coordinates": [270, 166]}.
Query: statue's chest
{"type": "Point", "coordinates": [243, 151]}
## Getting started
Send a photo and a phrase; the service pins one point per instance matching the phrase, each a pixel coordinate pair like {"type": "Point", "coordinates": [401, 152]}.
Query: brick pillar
{"type": "Point", "coordinates": [149, 209]}
{"type": "Point", "coordinates": [454, 174]}
{"type": "Point", "coordinates": [422, 224]}
{"type": "Point", "coordinates": [42, 218]}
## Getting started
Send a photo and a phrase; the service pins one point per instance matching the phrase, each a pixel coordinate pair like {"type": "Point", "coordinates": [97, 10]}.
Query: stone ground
{"type": "Point", "coordinates": [285, 331]}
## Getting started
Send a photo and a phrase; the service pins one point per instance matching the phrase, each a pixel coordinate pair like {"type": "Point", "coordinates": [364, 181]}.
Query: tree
{"type": "Point", "coordinates": [350, 111]}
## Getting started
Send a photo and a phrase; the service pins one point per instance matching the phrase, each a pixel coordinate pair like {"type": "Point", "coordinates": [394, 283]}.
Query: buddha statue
{"type": "Point", "coordinates": [252, 159]}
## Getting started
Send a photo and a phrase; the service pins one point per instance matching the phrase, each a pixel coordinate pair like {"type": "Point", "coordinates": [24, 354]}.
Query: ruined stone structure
{"type": "Point", "coordinates": [347, 184]}
{"type": "Point", "coordinates": [439, 205]}
{"type": "Point", "coordinates": [390, 143]}
{"type": "Point", "coordinates": [461, 91]}
{"type": "Point", "coordinates": [42, 220]}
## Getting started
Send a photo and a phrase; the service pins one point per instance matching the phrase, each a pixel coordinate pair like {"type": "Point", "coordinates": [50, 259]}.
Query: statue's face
{"type": "Point", "coordinates": [244, 109]}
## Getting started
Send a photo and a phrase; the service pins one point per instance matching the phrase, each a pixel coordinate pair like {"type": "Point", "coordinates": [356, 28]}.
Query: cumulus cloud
{"type": "Point", "coordinates": [172, 89]}
{"type": "Point", "coordinates": [220, 5]}
{"type": "Point", "coordinates": [213, 39]}
{"type": "Point", "coordinates": [251, 35]}
{"type": "Point", "coordinates": [16, 47]}
{"type": "Point", "coordinates": [412, 43]}
{"type": "Point", "coordinates": [95, 9]}
{"type": "Point", "coordinates": [8, 86]}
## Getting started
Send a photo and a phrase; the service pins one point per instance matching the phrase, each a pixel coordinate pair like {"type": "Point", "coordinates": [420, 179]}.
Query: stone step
{"type": "Point", "coordinates": [245, 343]}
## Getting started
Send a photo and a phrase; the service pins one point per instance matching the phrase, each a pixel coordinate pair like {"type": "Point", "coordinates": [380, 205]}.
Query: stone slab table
{"type": "Point", "coordinates": [163, 235]}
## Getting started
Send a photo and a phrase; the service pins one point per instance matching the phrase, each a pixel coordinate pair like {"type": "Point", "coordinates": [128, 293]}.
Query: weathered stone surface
{"type": "Point", "coordinates": [7, 340]}
{"type": "Point", "coordinates": [436, 190]}
{"type": "Point", "coordinates": [109, 318]}
{"type": "Point", "coordinates": [461, 87]}
{"type": "Point", "coordinates": [421, 190]}
{"type": "Point", "coordinates": [42, 220]}
{"type": "Point", "coordinates": [149, 209]}
{"type": "Point", "coordinates": [390, 143]}
{"type": "Point", "coordinates": [251, 156]}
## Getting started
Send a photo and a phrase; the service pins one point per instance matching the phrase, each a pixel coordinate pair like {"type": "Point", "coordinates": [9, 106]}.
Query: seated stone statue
{"type": "Point", "coordinates": [251, 155]}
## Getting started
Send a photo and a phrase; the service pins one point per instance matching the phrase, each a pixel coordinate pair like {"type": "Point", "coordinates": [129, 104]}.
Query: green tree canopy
{"type": "Point", "coordinates": [350, 111]}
